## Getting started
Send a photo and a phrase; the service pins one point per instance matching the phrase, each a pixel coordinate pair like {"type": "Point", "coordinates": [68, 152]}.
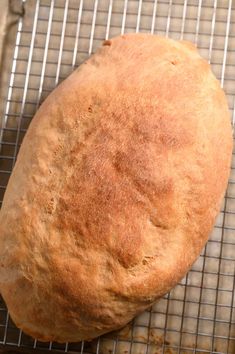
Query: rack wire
{"type": "Point", "coordinates": [54, 37]}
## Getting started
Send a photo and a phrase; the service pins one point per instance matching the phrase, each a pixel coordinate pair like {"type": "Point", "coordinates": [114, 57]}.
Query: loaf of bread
{"type": "Point", "coordinates": [115, 190]}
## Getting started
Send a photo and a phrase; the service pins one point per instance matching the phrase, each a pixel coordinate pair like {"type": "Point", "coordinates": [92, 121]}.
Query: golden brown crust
{"type": "Point", "coordinates": [115, 190]}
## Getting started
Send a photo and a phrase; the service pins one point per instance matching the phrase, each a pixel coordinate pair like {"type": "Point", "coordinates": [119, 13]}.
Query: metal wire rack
{"type": "Point", "coordinates": [55, 36]}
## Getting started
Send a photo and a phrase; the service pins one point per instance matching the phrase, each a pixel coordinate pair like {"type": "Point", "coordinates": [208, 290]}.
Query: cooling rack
{"type": "Point", "coordinates": [53, 37]}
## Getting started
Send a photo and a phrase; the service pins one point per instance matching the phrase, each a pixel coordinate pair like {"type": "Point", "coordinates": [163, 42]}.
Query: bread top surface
{"type": "Point", "coordinates": [115, 190]}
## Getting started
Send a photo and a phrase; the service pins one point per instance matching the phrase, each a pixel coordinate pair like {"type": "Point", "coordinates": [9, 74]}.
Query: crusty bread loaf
{"type": "Point", "coordinates": [115, 189]}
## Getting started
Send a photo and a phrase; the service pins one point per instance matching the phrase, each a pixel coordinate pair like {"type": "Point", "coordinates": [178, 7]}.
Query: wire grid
{"type": "Point", "coordinates": [54, 37]}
